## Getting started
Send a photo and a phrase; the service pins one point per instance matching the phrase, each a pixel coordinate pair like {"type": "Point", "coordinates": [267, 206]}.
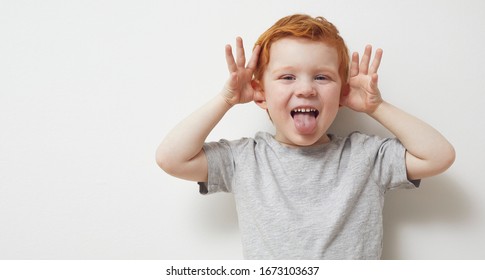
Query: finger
{"type": "Point", "coordinates": [240, 55]}
{"type": "Point", "coordinates": [376, 62]}
{"type": "Point", "coordinates": [373, 82]}
{"type": "Point", "coordinates": [231, 64]}
{"type": "Point", "coordinates": [354, 65]}
{"type": "Point", "coordinates": [364, 63]}
{"type": "Point", "coordinates": [253, 61]}
{"type": "Point", "coordinates": [232, 82]}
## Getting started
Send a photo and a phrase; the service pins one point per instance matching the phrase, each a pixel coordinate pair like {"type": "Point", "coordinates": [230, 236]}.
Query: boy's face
{"type": "Point", "coordinates": [301, 90]}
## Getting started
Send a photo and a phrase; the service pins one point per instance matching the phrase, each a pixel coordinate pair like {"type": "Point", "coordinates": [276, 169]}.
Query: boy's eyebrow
{"type": "Point", "coordinates": [289, 68]}
{"type": "Point", "coordinates": [284, 68]}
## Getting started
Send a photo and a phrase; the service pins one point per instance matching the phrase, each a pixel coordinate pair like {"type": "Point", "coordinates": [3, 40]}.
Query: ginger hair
{"type": "Point", "coordinates": [303, 26]}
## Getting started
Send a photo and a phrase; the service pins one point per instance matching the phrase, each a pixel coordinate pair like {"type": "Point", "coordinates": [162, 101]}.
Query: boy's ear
{"type": "Point", "coordinates": [344, 93]}
{"type": "Point", "coordinates": [259, 97]}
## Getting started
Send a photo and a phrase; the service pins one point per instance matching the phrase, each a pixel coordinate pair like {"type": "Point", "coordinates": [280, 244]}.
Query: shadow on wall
{"type": "Point", "coordinates": [439, 200]}
{"type": "Point", "coordinates": [348, 121]}
{"type": "Point", "coordinates": [217, 213]}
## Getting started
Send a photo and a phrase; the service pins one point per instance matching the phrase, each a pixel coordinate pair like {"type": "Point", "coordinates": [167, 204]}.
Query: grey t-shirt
{"type": "Point", "coordinates": [318, 202]}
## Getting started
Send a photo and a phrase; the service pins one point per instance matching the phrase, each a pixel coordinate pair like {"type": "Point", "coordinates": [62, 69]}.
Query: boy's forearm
{"type": "Point", "coordinates": [433, 153]}
{"type": "Point", "coordinates": [185, 141]}
{"type": "Point", "coordinates": [416, 136]}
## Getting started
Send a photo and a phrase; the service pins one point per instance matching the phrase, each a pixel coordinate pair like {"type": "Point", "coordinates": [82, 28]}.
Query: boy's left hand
{"type": "Point", "coordinates": [361, 94]}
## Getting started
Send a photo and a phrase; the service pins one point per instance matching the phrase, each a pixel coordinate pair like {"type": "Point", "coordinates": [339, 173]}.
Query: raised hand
{"type": "Point", "coordinates": [238, 87]}
{"type": "Point", "coordinates": [362, 94]}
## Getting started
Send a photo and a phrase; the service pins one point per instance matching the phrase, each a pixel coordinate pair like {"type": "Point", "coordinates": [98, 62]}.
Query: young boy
{"type": "Point", "coordinates": [304, 194]}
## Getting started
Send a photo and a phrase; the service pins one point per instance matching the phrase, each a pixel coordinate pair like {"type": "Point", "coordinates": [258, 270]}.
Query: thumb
{"type": "Point", "coordinates": [232, 83]}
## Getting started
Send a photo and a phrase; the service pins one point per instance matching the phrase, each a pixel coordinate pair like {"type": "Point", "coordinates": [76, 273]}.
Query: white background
{"type": "Point", "coordinates": [88, 89]}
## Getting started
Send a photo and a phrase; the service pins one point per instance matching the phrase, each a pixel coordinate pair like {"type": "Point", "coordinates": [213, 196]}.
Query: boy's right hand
{"type": "Point", "coordinates": [238, 89]}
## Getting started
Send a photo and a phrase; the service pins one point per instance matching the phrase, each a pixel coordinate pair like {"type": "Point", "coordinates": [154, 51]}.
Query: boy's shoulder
{"type": "Point", "coordinates": [355, 137]}
{"type": "Point", "coordinates": [368, 142]}
{"type": "Point", "coordinates": [354, 140]}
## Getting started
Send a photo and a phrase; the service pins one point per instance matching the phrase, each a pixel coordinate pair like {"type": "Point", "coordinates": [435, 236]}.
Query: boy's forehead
{"type": "Point", "coordinates": [292, 43]}
{"type": "Point", "coordinates": [288, 50]}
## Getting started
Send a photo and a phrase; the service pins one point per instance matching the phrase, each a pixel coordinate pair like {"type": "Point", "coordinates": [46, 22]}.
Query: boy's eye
{"type": "Point", "coordinates": [288, 77]}
{"type": "Point", "coordinates": [321, 78]}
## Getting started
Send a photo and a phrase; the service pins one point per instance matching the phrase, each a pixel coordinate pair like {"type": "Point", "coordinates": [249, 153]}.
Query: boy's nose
{"type": "Point", "coordinates": [305, 90]}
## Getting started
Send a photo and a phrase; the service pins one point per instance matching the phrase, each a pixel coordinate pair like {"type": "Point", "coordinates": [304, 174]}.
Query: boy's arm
{"type": "Point", "coordinates": [180, 153]}
{"type": "Point", "coordinates": [427, 152]}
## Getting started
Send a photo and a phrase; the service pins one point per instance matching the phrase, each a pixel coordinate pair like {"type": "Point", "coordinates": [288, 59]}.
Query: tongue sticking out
{"type": "Point", "coordinates": [305, 123]}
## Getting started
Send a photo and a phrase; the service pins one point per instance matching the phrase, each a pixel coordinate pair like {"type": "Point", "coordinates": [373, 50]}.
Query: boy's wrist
{"type": "Point", "coordinates": [379, 109]}
{"type": "Point", "coordinates": [226, 102]}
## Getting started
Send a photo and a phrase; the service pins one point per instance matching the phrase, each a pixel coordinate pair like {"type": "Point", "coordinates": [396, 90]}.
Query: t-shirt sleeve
{"type": "Point", "coordinates": [220, 167]}
{"type": "Point", "coordinates": [388, 163]}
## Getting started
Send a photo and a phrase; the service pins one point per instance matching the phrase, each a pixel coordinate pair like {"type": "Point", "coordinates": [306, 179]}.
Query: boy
{"type": "Point", "coordinates": [303, 194]}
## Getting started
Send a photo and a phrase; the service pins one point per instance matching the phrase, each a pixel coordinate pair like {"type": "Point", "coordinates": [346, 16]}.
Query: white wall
{"type": "Point", "coordinates": [89, 88]}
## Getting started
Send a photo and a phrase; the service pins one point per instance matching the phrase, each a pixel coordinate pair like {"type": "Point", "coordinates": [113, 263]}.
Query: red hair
{"type": "Point", "coordinates": [303, 26]}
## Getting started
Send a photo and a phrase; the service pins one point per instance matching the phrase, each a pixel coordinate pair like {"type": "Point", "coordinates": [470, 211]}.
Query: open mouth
{"type": "Point", "coordinates": [305, 119]}
{"type": "Point", "coordinates": [307, 111]}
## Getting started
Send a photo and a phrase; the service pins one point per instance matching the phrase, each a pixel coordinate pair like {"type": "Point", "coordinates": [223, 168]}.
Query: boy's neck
{"type": "Point", "coordinates": [323, 140]}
